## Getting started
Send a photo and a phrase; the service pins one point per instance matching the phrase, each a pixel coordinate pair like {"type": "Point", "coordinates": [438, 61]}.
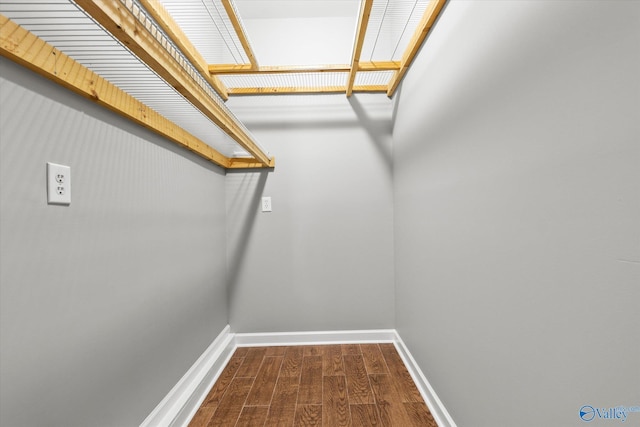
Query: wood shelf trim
{"type": "Point", "coordinates": [122, 25]}
{"type": "Point", "coordinates": [173, 30]}
{"type": "Point", "coordinates": [294, 69]}
{"type": "Point", "coordinates": [379, 66]}
{"type": "Point", "coordinates": [363, 20]}
{"type": "Point", "coordinates": [303, 90]}
{"type": "Point", "coordinates": [28, 50]}
{"type": "Point", "coordinates": [248, 163]}
{"type": "Point", "coordinates": [242, 36]}
{"type": "Point", "coordinates": [426, 23]}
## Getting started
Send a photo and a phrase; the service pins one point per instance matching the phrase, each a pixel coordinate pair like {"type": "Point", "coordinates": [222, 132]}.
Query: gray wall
{"type": "Point", "coordinates": [106, 303]}
{"type": "Point", "coordinates": [517, 200]}
{"type": "Point", "coordinates": [323, 259]}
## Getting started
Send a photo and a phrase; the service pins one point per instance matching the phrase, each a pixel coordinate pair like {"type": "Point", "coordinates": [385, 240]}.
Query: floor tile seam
{"type": "Point", "coordinates": [303, 357]}
{"type": "Point", "coordinates": [373, 395]}
{"type": "Point", "coordinates": [272, 392]}
{"type": "Point", "coordinates": [351, 354]}
{"type": "Point", "coordinates": [295, 412]}
{"type": "Point", "coordinates": [368, 382]}
{"type": "Point", "coordinates": [245, 401]}
{"type": "Point", "coordinates": [274, 386]}
{"type": "Point", "coordinates": [322, 390]}
{"type": "Point", "coordinates": [383, 359]}
{"type": "Point", "coordinates": [274, 389]}
{"type": "Point", "coordinates": [395, 379]}
{"type": "Point", "coordinates": [226, 389]}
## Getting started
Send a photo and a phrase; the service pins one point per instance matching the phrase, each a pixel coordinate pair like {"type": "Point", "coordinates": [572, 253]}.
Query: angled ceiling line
{"type": "Point", "coordinates": [120, 20]}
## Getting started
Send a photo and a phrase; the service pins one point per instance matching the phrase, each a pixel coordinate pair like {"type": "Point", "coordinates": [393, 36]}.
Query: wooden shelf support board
{"type": "Point", "coordinates": [25, 48]}
{"type": "Point", "coordinates": [248, 163]}
{"type": "Point", "coordinates": [303, 90]}
{"type": "Point", "coordinates": [122, 25]}
{"type": "Point", "coordinates": [179, 38]}
{"type": "Point", "coordinates": [427, 21]}
{"type": "Point", "coordinates": [363, 21]}
{"type": "Point", "coordinates": [293, 69]}
{"type": "Point", "coordinates": [237, 26]}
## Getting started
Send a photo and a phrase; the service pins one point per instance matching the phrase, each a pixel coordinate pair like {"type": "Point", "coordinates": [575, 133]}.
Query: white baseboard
{"type": "Point", "coordinates": [310, 338]}
{"type": "Point", "coordinates": [437, 409]}
{"type": "Point", "coordinates": [182, 402]}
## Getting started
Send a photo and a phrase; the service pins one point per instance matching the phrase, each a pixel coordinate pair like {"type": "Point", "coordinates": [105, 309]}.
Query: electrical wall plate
{"type": "Point", "coordinates": [58, 184]}
{"type": "Point", "coordinates": [266, 204]}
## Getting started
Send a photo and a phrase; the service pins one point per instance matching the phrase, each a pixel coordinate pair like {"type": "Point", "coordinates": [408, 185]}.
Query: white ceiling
{"type": "Point", "coordinates": [302, 41]}
{"type": "Point", "coordinates": [282, 9]}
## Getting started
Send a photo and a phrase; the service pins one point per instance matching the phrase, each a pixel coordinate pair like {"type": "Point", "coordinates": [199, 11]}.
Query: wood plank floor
{"type": "Point", "coordinates": [318, 385]}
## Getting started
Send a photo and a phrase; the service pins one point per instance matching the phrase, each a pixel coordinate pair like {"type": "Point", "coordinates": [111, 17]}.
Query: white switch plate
{"type": "Point", "coordinates": [58, 184]}
{"type": "Point", "coordinates": [266, 204]}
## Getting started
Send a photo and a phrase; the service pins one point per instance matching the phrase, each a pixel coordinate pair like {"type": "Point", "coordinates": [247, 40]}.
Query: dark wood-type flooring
{"type": "Point", "coordinates": [317, 385]}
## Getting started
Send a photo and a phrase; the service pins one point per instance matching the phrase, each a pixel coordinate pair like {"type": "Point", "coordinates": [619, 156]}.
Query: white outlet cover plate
{"type": "Point", "coordinates": [58, 184]}
{"type": "Point", "coordinates": [266, 204]}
